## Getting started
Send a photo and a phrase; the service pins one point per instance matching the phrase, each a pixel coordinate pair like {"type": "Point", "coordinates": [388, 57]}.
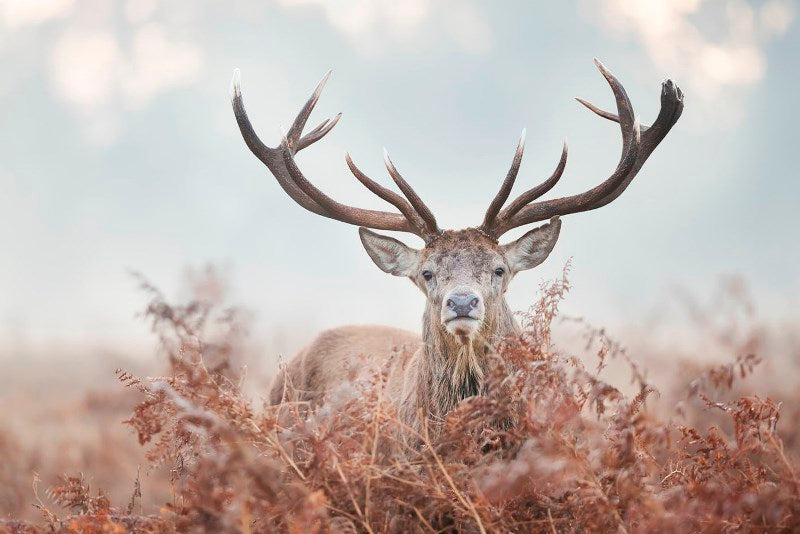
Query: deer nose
{"type": "Point", "coordinates": [463, 304]}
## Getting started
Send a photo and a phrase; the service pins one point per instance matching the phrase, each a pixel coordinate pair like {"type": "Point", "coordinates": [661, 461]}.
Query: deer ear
{"type": "Point", "coordinates": [532, 248]}
{"type": "Point", "coordinates": [389, 254]}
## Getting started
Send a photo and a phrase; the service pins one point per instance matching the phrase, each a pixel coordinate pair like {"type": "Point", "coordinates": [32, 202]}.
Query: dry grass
{"type": "Point", "coordinates": [550, 446]}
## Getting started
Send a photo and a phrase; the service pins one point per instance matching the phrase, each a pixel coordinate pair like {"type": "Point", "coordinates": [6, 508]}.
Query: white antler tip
{"type": "Point", "coordinates": [522, 136]}
{"type": "Point", "coordinates": [323, 81]}
{"type": "Point", "coordinates": [603, 69]}
{"type": "Point", "coordinates": [386, 156]}
{"type": "Point", "coordinates": [236, 84]}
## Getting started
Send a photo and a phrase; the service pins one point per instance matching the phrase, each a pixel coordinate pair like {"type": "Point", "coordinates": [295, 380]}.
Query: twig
{"type": "Point", "coordinates": [375, 428]}
{"type": "Point", "coordinates": [550, 519]}
{"type": "Point", "coordinates": [463, 498]}
{"type": "Point", "coordinates": [424, 521]}
{"type": "Point", "coordinates": [352, 497]}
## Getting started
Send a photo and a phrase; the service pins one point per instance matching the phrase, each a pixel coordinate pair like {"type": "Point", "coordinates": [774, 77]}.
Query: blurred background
{"type": "Point", "coordinates": [120, 153]}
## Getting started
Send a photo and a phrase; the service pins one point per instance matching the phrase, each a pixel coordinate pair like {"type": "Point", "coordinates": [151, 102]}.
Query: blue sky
{"type": "Point", "coordinates": [119, 151]}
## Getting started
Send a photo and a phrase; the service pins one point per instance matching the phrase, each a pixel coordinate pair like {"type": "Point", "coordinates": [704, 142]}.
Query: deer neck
{"type": "Point", "coordinates": [450, 369]}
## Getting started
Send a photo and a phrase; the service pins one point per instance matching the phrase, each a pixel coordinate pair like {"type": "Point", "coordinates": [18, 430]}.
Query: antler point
{"type": "Point", "coordinates": [236, 82]}
{"type": "Point", "coordinates": [321, 85]}
{"type": "Point", "coordinates": [585, 103]}
{"type": "Point", "coordinates": [603, 70]}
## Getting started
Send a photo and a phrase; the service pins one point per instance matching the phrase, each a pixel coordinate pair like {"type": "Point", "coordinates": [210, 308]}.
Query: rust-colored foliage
{"type": "Point", "coordinates": [548, 446]}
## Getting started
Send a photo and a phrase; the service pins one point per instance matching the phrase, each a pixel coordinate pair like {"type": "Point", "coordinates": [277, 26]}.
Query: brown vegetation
{"type": "Point", "coordinates": [548, 446]}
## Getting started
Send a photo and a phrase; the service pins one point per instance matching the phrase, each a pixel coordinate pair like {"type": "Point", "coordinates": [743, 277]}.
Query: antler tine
{"type": "Point", "coordinates": [302, 117]}
{"type": "Point", "coordinates": [605, 114]}
{"type": "Point", "coordinates": [280, 162]}
{"type": "Point", "coordinates": [624, 107]}
{"type": "Point", "coordinates": [341, 212]}
{"type": "Point", "coordinates": [386, 194]}
{"type": "Point", "coordinates": [318, 133]}
{"type": "Point", "coordinates": [411, 195]}
{"type": "Point", "coordinates": [251, 139]}
{"type": "Point", "coordinates": [535, 192]}
{"type": "Point", "coordinates": [505, 188]}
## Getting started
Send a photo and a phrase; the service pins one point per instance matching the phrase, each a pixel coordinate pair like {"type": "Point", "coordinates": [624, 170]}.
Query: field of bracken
{"type": "Point", "coordinates": [554, 443]}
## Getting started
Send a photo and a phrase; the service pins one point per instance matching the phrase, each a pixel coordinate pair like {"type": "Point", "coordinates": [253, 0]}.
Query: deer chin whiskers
{"type": "Point", "coordinates": [464, 329]}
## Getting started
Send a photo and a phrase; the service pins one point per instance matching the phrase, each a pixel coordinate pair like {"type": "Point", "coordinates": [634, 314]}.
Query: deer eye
{"type": "Point", "coordinates": [427, 275]}
{"type": "Point", "coordinates": [499, 271]}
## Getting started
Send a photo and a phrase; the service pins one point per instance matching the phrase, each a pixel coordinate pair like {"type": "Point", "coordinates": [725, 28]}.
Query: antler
{"type": "Point", "coordinates": [415, 217]}
{"type": "Point", "coordinates": [638, 142]}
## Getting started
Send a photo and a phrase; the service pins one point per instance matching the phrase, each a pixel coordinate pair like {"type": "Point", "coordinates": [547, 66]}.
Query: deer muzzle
{"type": "Point", "coordinates": [462, 311]}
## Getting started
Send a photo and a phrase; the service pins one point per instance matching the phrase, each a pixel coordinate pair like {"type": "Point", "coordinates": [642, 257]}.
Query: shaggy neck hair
{"type": "Point", "coordinates": [451, 369]}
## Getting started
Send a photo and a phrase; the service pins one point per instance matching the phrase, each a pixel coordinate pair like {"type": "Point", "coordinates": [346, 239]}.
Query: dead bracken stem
{"type": "Point", "coordinates": [373, 454]}
{"type": "Point", "coordinates": [550, 519]}
{"type": "Point", "coordinates": [461, 497]}
{"type": "Point", "coordinates": [423, 520]}
{"type": "Point", "coordinates": [352, 498]}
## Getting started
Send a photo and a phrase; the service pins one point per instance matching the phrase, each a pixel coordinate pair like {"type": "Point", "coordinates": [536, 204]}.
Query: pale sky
{"type": "Point", "coordinates": [120, 152]}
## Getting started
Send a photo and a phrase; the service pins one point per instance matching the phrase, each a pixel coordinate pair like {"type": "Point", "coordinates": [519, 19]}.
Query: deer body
{"type": "Point", "coordinates": [342, 355]}
{"type": "Point", "coordinates": [339, 357]}
{"type": "Point", "coordinates": [463, 274]}
{"type": "Point", "coordinates": [431, 373]}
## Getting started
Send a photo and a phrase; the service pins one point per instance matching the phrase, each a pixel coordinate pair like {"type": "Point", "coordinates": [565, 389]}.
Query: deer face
{"type": "Point", "coordinates": [464, 274]}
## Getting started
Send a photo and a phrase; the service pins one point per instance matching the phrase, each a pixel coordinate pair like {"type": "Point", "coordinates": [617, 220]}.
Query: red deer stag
{"type": "Point", "coordinates": [464, 274]}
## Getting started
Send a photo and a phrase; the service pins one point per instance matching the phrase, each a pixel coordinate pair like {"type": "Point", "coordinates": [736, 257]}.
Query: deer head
{"type": "Point", "coordinates": [465, 273]}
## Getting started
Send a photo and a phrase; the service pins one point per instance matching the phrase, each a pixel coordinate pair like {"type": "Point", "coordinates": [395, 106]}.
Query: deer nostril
{"type": "Point", "coordinates": [451, 304]}
{"type": "Point", "coordinates": [473, 303]}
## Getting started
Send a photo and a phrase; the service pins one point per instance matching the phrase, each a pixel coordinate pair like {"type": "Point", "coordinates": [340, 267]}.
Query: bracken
{"type": "Point", "coordinates": [548, 446]}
